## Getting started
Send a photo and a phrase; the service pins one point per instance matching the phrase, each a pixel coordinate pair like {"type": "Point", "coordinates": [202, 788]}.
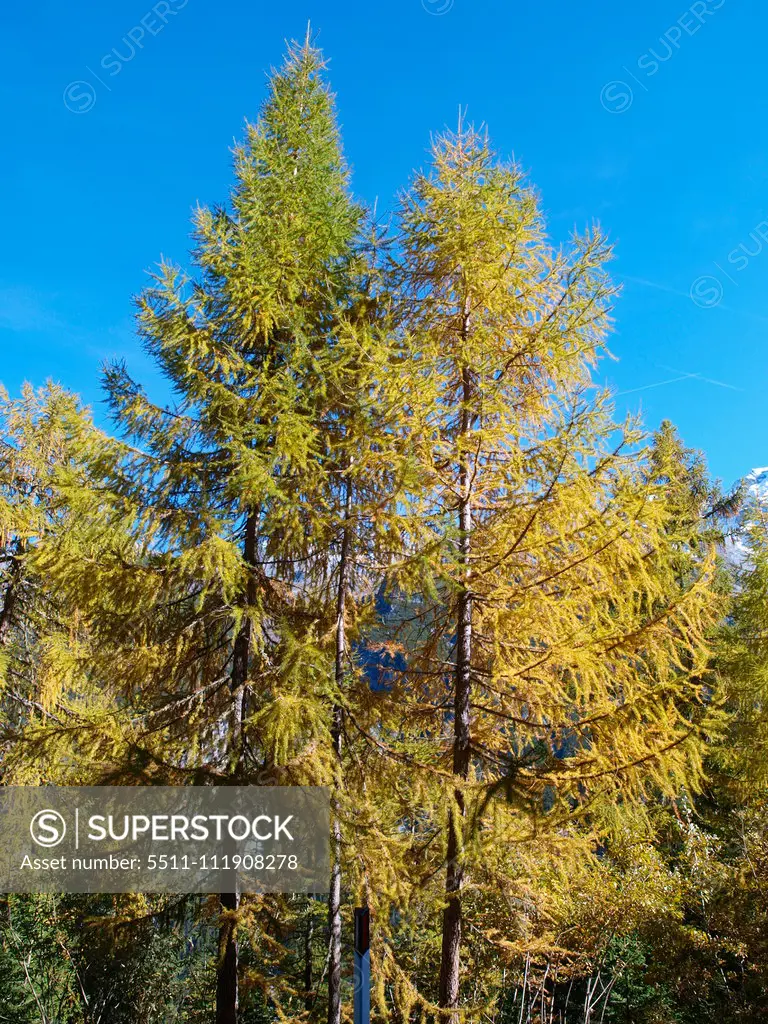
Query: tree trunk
{"type": "Point", "coordinates": [11, 593]}
{"type": "Point", "coordinates": [226, 979]}
{"type": "Point", "coordinates": [334, 897]}
{"type": "Point", "coordinates": [452, 925]}
{"type": "Point", "coordinates": [309, 934]}
{"type": "Point", "coordinates": [242, 651]}
{"type": "Point", "coordinates": [227, 991]}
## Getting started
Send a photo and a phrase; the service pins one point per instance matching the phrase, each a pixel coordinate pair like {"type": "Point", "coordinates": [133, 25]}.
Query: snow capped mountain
{"type": "Point", "coordinates": [757, 483]}
{"type": "Point", "coordinates": [755, 493]}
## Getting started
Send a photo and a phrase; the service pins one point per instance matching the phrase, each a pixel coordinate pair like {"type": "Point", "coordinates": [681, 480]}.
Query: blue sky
{"type": "Point", "coordinates": [119, 117]}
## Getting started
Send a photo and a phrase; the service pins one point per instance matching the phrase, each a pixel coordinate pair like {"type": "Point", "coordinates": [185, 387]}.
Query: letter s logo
{"type": "Point", "coordinates": [48, 828]}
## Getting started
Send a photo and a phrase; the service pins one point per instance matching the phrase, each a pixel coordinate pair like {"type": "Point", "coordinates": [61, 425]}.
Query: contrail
{"type": "Point", "coordinates": [687, 295]}
{"type": "Point", "coordinates": [705, 380]}
{"type": "Point", "coordinates": [659, 384]}
{"type": "Point", "coordinates": [659, 287]}
{"type": "Point", "coordinates": [676, 380]}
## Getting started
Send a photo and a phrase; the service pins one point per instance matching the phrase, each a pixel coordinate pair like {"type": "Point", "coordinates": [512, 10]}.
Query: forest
{"type": "Point", "coordinates": [386, 534]}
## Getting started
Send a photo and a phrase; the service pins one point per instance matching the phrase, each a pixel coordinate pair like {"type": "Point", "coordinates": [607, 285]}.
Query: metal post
{"type": "Point", "coordinates": [362, 1000]}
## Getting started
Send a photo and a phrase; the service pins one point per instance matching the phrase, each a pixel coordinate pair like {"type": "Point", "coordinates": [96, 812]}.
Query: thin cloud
{"type": "Point", "coordinates": [643, 282]}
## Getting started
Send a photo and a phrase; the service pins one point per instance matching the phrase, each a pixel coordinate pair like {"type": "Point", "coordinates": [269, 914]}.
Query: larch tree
{"type": "Point", "coordinates": [212, 607]}
{"type": "Point", "coordinates": [44, 433]}
{"type": "Point", "coordinates": [743, 661]}
{"type": "Point", "coordinates": [241, 351]}
{"type": "Point", "coordinates": [701, 514]}
{"type": "Point", "coordinates": [547, 628]}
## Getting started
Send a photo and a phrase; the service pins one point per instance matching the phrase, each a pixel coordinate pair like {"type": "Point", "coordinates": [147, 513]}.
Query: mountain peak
{"type": "Point", "coordinates": [757, 482]}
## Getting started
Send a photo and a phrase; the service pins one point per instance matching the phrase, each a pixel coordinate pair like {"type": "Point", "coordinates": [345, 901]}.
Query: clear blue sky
{"type": "Point", "coordinates": [649, 117]}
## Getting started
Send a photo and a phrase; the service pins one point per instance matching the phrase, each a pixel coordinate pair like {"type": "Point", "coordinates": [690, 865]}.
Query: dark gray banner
{"type": "Point", "coordinates": [196, 839]}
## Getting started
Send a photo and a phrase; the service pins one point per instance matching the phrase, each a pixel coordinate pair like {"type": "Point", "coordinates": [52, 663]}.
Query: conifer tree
{"type": "Point", "coordinates": [701, 514]}
{"type": "Point", "coordinates": [43, 433]}
{"type": "Point", "coordinates": [547, 604]}
{"type": "Point", "coordinates": [743, 661]}
{"type": "Point", "coordinates": [235, 469]}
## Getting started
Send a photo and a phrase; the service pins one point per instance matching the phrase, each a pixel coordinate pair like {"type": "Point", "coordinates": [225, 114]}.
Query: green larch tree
{"type": "Point", "coordinates": [235, 468]}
